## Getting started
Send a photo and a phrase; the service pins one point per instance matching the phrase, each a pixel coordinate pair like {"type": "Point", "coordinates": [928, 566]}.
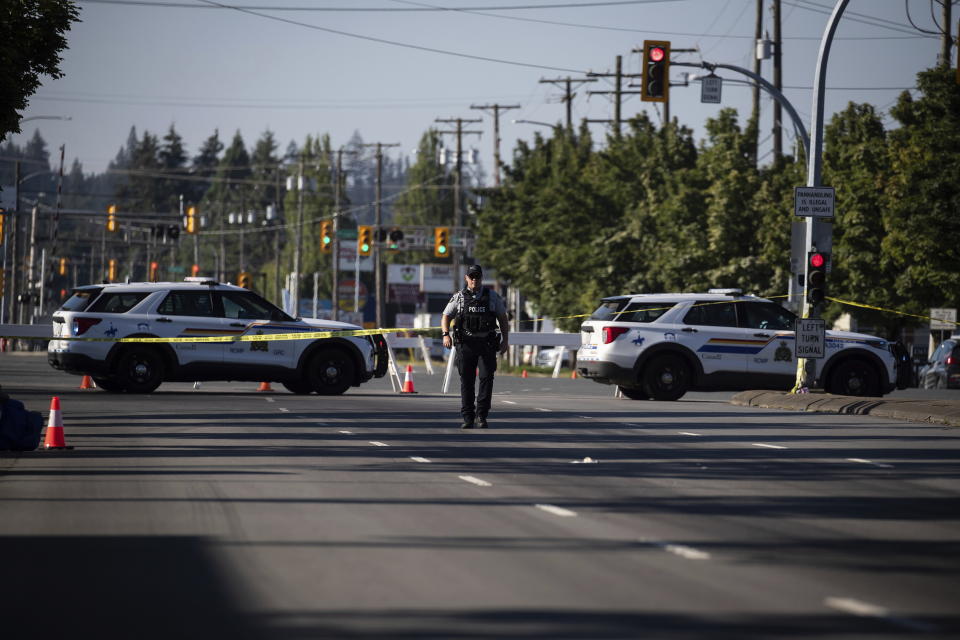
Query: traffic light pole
{"type": "Point", "coordinates": [819, 234]}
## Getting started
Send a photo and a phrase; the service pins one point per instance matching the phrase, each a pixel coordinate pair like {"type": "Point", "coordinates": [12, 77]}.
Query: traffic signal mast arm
{"type": "Point", "coordinates": [772, 90]}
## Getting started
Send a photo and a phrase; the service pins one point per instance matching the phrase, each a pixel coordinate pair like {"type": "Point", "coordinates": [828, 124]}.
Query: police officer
{"type": "Point", "coordinates": [477, 311]}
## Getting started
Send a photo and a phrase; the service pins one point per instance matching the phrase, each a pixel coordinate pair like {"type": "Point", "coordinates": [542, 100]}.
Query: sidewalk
{"type": "Point", "coordinates": [945, 412]}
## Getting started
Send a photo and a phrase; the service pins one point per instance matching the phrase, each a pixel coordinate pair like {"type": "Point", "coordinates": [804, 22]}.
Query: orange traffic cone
{"type": "Point", "coordinates": [524, 374]}
{"type": "Point", "coordinates": [573, 374]}
{"type": "Point", "coordinates": [265, 386]}
{"type": "Point", "coordinates": [54, 438]}
{"type": "Point", "coordinates": [408, 381]}
{"type": "Point", "coordinates": [86, 383]}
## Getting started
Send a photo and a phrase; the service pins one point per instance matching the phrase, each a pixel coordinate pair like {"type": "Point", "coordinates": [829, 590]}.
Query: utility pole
{"type": "Point", "coordinates": [298, 235]}
{"type": "Point", "coordinates": [457, 187]}
{"type": "Point", "coordinates": [755, 113]}
{"type": "Point", "coordinates": [778, 83]}
{"type": "Point", "coordinates": [617, 92]}
{"type": "Point", "coordinates": [335, 291]}
{"type": "Point", "coordinates": [14, 249]}
{"type": "Point", "coordinates": [568, 93]}
{"type": "Point", "coordinates": [377, 226]}
{"type": "Point", "coordinates": [946, 43]}
{"type": "Point", "coordinates": [497, 108]}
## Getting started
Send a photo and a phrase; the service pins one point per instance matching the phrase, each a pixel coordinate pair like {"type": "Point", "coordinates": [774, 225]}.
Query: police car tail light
{"type": "Point", "coordinates": [81, 325]}
{"type": "Point", "coordinates": [950, 359]}
{"type": "Point", "coordinates": [610, 333]}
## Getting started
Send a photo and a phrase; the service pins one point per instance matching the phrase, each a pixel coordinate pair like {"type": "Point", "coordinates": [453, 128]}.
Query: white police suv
{"type": "Point", "coordinates": [662, 345]}
{"type": "Point", "coordinates": [199, 307]}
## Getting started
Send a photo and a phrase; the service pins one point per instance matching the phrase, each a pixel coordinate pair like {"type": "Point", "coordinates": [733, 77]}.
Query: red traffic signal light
{"type": "Point", "coordinates": [817, 277]}
{"type": "Point", "coordinates": [655, 86]}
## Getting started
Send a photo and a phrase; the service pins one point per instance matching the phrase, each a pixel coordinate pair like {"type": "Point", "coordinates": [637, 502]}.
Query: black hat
{"type": "Point", "coordinates": [475, 270]}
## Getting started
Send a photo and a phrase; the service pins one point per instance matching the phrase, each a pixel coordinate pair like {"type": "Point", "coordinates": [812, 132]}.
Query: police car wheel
{"type": "Point", "coordinates": [108, 384]}
{"type": "Point", "coordinates": [140, 370]}
{"type": "Point", "coordinates": [666, 377]}
{"type": "Point", "coordinates": [634, 393]}
{"type": "Point", "coordinates": [855, 378]}
{"type": "Point", "coordinates": [330, 372]}
{"type": "Point", "coordinates": [299, 388]}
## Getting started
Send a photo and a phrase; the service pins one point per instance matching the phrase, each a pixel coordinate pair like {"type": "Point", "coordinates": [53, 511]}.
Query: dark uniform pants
{"type": "Point", "coordinates": [472, 355]}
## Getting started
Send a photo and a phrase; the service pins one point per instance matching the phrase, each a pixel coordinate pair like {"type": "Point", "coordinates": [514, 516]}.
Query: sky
{"type": "Point", "coordinates": [390, 68]}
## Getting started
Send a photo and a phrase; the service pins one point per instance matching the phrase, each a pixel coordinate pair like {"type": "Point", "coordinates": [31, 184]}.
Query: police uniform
{"type": "Point", "coordinates": [477, 343]}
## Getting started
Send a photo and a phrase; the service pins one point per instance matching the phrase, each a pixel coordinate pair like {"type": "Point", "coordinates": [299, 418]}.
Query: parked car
{"type": "Point", "coordinates": [662, 345]}
{"type": "Point", "coordinates": [942, 371]}
{"type": "Point", "coordinates": [548, 357]}
{"type": "Point", "coordinates": [195, 308]}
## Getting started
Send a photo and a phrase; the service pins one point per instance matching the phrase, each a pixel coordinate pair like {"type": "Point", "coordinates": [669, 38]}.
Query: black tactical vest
{"type": "Point", "coordinates": [477, 319]}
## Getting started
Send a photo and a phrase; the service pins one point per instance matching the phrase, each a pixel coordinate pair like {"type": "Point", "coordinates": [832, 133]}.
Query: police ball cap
{"type": "Point", "coordinates": [475, 270]}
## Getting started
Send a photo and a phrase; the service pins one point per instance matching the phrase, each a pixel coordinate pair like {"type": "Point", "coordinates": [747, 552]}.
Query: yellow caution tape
{"type": "Point", "coordinates": [902, 313]}
{"type": "Point", "coordinates": [258, 337]}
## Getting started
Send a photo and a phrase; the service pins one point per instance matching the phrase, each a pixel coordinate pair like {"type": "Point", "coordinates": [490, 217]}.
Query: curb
{"type": "Point", "coordinates": [943, 412]}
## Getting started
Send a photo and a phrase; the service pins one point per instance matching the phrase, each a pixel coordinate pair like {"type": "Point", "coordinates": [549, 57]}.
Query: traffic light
{"type": "Point", "coordinates": [656, 71]}
{"type": "Point", "coordinates": [194, 270]}
{"type": "Point", "coordinates": [245, 280]}
{"type": "Point", "coordinates": [62, 270]}
{"type": "Point", "coordinates": [364, 240]}
{"type": "Point", "coordinates": [112, 270]}
{"type": "Point", "coordinates": [817, 277]}
{"type": "Point", "coordinates": [441, 242]}
{"type": "Point", "coordinates": [112, 218]}
{"type": "Point", "coordinates": [154, 266]}
{"type": "Point", "coordinates": [191, 220]}
{"type": "Point", "coordinates": [395, 236]}
{"type": "Point", "coordinates": [326, 236]}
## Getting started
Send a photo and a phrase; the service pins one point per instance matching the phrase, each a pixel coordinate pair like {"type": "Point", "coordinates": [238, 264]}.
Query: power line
{"type": "Point", "coordinates": [420, 8]}
{"type": "Point", "coordinates": [394, 43]}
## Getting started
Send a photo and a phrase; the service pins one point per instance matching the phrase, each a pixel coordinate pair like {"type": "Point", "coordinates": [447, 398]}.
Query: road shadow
{"type": "Point", "coordinates": [119, 588]}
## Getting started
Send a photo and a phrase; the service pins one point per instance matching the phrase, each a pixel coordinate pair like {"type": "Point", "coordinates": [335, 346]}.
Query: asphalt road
{"type": "Point", "coordinates": [226, 513]}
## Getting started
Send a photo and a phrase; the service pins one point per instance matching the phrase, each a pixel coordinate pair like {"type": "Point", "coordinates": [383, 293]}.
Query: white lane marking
{"type": "Point", "coordinates": [630, 424]}
{"type": "Point", "coordinates": [476, 481]}
{"type": "Point", "coordinates": [865, 609]}
{"type": "Point", "coordinates": [768, 446]}
{"type": "Point", "coordinates": [323, 424]}
{"type": "Point", "coordinates": [377, 443]}
{"type": "Point", "coordinates": [686, 552]}
{"type": "Point", "coordinates": [283, 409]}
{"type": "Point", "coordinates": [509, 402]}
{"type": "Point", "coordinates": [586, 417]}
{"type": "Point", "coordinates": [345, 431]}
{"type": "Point", "coordinates": [418, 459]}
{"type": "Point", "coordinates": [542, 409]}
{"type": "Point", "coordinates": [269, 399]}
{"type": "Point", "coordinates": [689, 433]}
{"type": "Point", "coordinates": [557, 511]}
{"type": "Point", "coordinates": [876, 464]}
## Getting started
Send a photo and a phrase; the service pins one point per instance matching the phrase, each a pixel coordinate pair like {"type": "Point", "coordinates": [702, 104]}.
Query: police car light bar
{"type": "Point", "coordinates": [726, 292]}
{"type": "Point", "coordinates": [201, 280]}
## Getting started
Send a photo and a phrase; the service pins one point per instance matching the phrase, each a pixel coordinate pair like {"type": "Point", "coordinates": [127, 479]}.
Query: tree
{"type": "Point", "coordinates": [31, 39]}
{"type": "Point", "coordinates": [428, 196]}
{"type": "Point", "coordinates": [856, 161]}
{"type": "Point", "coordinates": [922, 246]}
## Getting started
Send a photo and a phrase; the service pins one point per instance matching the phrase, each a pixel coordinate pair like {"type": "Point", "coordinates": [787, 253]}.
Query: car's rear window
{"type": "Point", "coordinates": [118, 301]}
{"type": "Point", "coordinates": [609, 307]}
{"type": "Point", "coordinates": [642, 311]}
{"type": "Point", "coordinates": [80, 299]}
